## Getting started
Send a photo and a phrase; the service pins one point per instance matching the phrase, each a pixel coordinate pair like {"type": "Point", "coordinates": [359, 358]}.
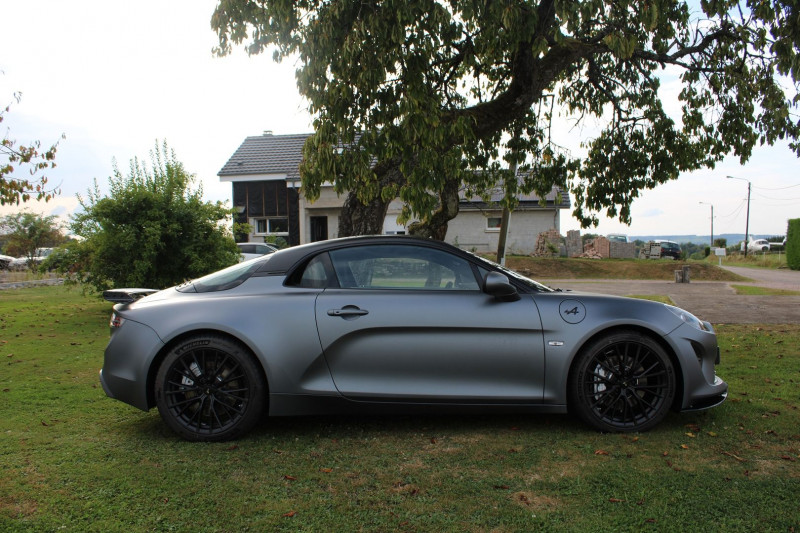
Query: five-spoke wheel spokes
{"type": "Point", "coordinates": [208, 388]}
{"type": "Point", "coordinates": [623, 382]}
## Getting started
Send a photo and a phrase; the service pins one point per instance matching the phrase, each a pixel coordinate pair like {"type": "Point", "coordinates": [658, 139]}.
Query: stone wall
{"type": "Point", "coordinates": [622, 250]}
{"type": "Point", "coordinates": [574, 243]}
{"type": "Point", "coordinates": [602, 247]}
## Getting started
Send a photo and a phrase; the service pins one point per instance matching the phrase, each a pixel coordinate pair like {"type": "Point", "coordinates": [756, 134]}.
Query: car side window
{"type": "Point", "coordinates": [401, 267]}
{"type": "Point", "coordinates": [314, 275]}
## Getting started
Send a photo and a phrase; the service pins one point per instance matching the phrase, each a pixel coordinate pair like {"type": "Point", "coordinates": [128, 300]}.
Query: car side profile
{"type": "Point", "coordinates": [397, 324]}
{"type": "Point", "coordinates": [758, 245]}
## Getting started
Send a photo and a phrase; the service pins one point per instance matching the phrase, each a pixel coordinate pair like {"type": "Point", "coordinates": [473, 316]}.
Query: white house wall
{"type": "Point", "coordinates": [468, 230]}
{"type": "Point", "coordinates": [329, 204]}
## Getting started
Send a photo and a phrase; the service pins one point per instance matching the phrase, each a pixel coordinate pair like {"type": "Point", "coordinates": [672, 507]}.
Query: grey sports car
{"type": "Point", "coordinates": [398, 324]}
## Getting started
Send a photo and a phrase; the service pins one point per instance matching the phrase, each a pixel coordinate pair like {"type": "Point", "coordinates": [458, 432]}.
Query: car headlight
{"type": "Point", "coordinates": [687, 317]}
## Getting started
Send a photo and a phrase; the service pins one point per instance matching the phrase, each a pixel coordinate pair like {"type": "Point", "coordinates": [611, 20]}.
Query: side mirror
{"type": "Point", "coordinates": [497, 285]}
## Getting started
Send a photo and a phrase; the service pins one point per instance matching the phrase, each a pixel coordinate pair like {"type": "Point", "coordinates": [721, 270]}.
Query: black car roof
{"type": "Point", "coordinates": [283, 260]}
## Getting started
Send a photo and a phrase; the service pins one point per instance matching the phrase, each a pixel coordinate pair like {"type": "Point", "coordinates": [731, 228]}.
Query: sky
{"type": "Point", "coordinates": [117, 77]}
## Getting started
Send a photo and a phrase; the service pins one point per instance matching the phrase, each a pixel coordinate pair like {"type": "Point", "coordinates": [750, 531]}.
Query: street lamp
{"type": "Point", "coordinates": [747, 223]}
{"type": "Point", "coordinates": [712, 222]}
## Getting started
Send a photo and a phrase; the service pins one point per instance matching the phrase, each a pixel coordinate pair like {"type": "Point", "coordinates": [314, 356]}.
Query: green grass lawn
{"type": "Point", "coordinates": [73, 460]}
{"type": "Point", "coordinates": [753, 290]}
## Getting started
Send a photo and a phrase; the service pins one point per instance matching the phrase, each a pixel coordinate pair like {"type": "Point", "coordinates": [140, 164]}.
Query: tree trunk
{"type": "Point", "coordinates": [357, 218]}
{"type": "Point", "coordinates": [436, 227]}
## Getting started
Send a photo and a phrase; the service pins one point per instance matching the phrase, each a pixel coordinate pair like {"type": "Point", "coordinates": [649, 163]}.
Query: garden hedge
{"type": "Point", "coordinates": [793, 244]}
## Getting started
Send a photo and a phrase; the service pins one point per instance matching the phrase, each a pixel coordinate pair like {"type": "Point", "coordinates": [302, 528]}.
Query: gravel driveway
{"type": "Point", "coordinates": [714, 301]}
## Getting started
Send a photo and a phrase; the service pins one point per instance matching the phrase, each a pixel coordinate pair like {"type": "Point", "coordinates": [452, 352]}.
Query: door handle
{"type": "Point", "coordinates": [348, 310]}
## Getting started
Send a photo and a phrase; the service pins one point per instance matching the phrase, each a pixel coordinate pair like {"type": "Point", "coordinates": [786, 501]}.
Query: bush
{"type": "Point", "coordinates": [793, 244]}
{"type": "Point", "coordinates": [153, 230]}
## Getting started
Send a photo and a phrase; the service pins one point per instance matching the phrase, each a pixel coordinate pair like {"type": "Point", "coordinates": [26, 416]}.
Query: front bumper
{"type": "Point", "coordinates": [698, 354]}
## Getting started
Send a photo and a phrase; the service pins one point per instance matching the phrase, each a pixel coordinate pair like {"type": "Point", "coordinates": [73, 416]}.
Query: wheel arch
{"type": "Point", "coordinates": [162, 354]}
{"type": "Point", "coordinates": [653, 335]}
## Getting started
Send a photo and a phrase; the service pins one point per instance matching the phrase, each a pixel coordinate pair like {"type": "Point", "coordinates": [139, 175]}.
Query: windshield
{"type": "Point", "coordinates": [224, 279]}
{"type": "Point", "coordinates": [514, 275]}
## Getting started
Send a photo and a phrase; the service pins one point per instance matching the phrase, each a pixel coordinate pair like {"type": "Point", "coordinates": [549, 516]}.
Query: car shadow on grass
{"type": "Point", "coordinates": [339, 427]}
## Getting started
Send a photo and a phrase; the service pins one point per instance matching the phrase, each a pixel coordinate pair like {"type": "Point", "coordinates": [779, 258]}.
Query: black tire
{"type": "Point", "coordinates": [622, 382]}
{"type": "Point", "coordinates": [209, 388]}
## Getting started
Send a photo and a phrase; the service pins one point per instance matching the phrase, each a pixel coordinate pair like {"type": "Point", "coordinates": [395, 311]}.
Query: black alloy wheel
{"type": "Point", "coordinates": [208, 388]}
{"type": "Point", "coordinates": [622, 382]}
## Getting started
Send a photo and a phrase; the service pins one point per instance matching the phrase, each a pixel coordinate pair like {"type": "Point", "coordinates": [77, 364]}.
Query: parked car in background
{"type": "Point", "coordinates": [758, 245]}
{"type": "Point", "coordinates": [251, 250]}
{"type": "Point", "coordinates": [398, 324]}
{"type": "Point", "coordinates": [617, 237]}
{"type": "Point", "coordinates": [22, 263]}
{"type": "Point", "coordinates": [670, 249]}
{"type": "Point", "coordinates": [5, 260]}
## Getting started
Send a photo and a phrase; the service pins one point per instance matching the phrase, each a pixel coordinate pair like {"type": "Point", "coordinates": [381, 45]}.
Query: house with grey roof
{"type": "Point", "coordinates": [265, 181]}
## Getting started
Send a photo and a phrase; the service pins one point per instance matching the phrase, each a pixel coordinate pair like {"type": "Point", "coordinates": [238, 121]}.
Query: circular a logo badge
{"type": "Point", "coordinates": [572, 311]}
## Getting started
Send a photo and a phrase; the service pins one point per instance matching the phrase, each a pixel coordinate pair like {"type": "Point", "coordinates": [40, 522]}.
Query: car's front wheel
{"type": "Point", "coordinates": [209, 388]}
{"type": "Point", "coordinates": [624, 381]}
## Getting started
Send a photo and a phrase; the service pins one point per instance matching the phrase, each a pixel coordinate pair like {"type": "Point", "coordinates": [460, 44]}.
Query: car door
{"type": "Point", "coordinates": [410, 323]}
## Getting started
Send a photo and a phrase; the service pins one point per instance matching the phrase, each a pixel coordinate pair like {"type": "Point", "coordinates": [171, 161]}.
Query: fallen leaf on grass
{"type": "Point", "coordinates": [290, 514]}
{"type": "Point", "coordinates": [729, 454]}
{"type": "Point", "coordinates": [326, 470]}
{"type": "Point", "coordinates": [615, 500]}
{"type": "Point", "coordinates": [684, 446]}
{"type": "Point", "coordinates": [289, 478]}
{"type": "Point", "coordinates": [601, 452]}
{"type": "Point", "coordinates": [788, 458]}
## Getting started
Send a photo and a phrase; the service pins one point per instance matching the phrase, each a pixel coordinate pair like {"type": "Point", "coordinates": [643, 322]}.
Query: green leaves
{"type": "Point", "coordinates": [29, 157]}
{"type": "Point", "coordinates": [411, 96]}
{"type": "Point", "coordinates": [153, 230]}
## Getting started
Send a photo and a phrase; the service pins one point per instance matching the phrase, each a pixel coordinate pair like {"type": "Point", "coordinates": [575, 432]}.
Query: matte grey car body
{"type": "Point", "coordinates": [397, 324]}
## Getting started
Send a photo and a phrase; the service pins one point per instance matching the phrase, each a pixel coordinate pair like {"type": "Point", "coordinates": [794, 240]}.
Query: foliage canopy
{"type": "Point", "coordinates": [26, 231]}
{"type": "Point", "coordinates": [32, 157]}
{"type": "Point", "coordinates": [423, 98]}
{"type": "Point", "coordinates": [152, 230]}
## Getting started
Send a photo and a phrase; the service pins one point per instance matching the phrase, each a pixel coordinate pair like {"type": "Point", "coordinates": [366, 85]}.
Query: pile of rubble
{"type": "Point", "coordinates": [590, 252]}
{"type": "Point", "coordinates": [548, 244]}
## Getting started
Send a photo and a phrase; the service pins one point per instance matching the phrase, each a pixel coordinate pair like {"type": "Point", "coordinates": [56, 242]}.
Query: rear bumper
{"type": "Point", "coordinates": [126, 364]}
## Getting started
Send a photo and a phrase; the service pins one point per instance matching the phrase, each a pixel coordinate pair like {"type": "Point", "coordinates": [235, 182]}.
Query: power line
{"type": "Point", "coordinates": [779, 199]}
{"type": "Point", "coordinates": [776, 188]}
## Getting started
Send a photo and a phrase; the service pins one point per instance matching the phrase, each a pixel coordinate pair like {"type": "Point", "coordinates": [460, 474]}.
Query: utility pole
{"type": "Point", "coordinates": [712, 222]}
{"type": "Point", "coordinates": [747, 222]}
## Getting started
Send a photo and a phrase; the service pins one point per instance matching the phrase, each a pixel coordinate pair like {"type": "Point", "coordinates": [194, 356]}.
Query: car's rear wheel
{"type": "Point", "coordinates": [622, 382]}
{"type": "Point", "coordinates": [209, 388]}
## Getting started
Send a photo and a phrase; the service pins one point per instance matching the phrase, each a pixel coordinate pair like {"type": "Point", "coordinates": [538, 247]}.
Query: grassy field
{"type": "Point", "coordinates": [752, 290]}
{"type": "Point", "coordinates": [574, 268]}
{"type": "Point", "coordinates": [73, 460]}
{"type": "Point", "coordinates": [759, 260]}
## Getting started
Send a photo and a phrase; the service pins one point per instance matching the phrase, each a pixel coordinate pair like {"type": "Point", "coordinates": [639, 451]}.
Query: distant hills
{"type": "Point", "coordinates": [732, 238]}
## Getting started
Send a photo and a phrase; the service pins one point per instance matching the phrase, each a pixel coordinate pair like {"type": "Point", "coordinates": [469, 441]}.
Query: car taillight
{"type": "Point", "coordinates": [116, 320]}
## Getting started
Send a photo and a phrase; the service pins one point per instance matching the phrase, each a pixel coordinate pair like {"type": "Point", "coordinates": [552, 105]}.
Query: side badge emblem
{"type": "Point", "coordinates": [572, 311]}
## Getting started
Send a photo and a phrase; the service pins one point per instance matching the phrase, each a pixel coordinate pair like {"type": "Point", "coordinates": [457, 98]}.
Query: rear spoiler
{"type": "Point", "coordinates": [126, 296]}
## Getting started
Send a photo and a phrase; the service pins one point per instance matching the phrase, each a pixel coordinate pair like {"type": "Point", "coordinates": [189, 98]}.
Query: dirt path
{"type": "Point", "coordinates": [715, 301]}
{"type": "Point", "coordinates": [768, 277]}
